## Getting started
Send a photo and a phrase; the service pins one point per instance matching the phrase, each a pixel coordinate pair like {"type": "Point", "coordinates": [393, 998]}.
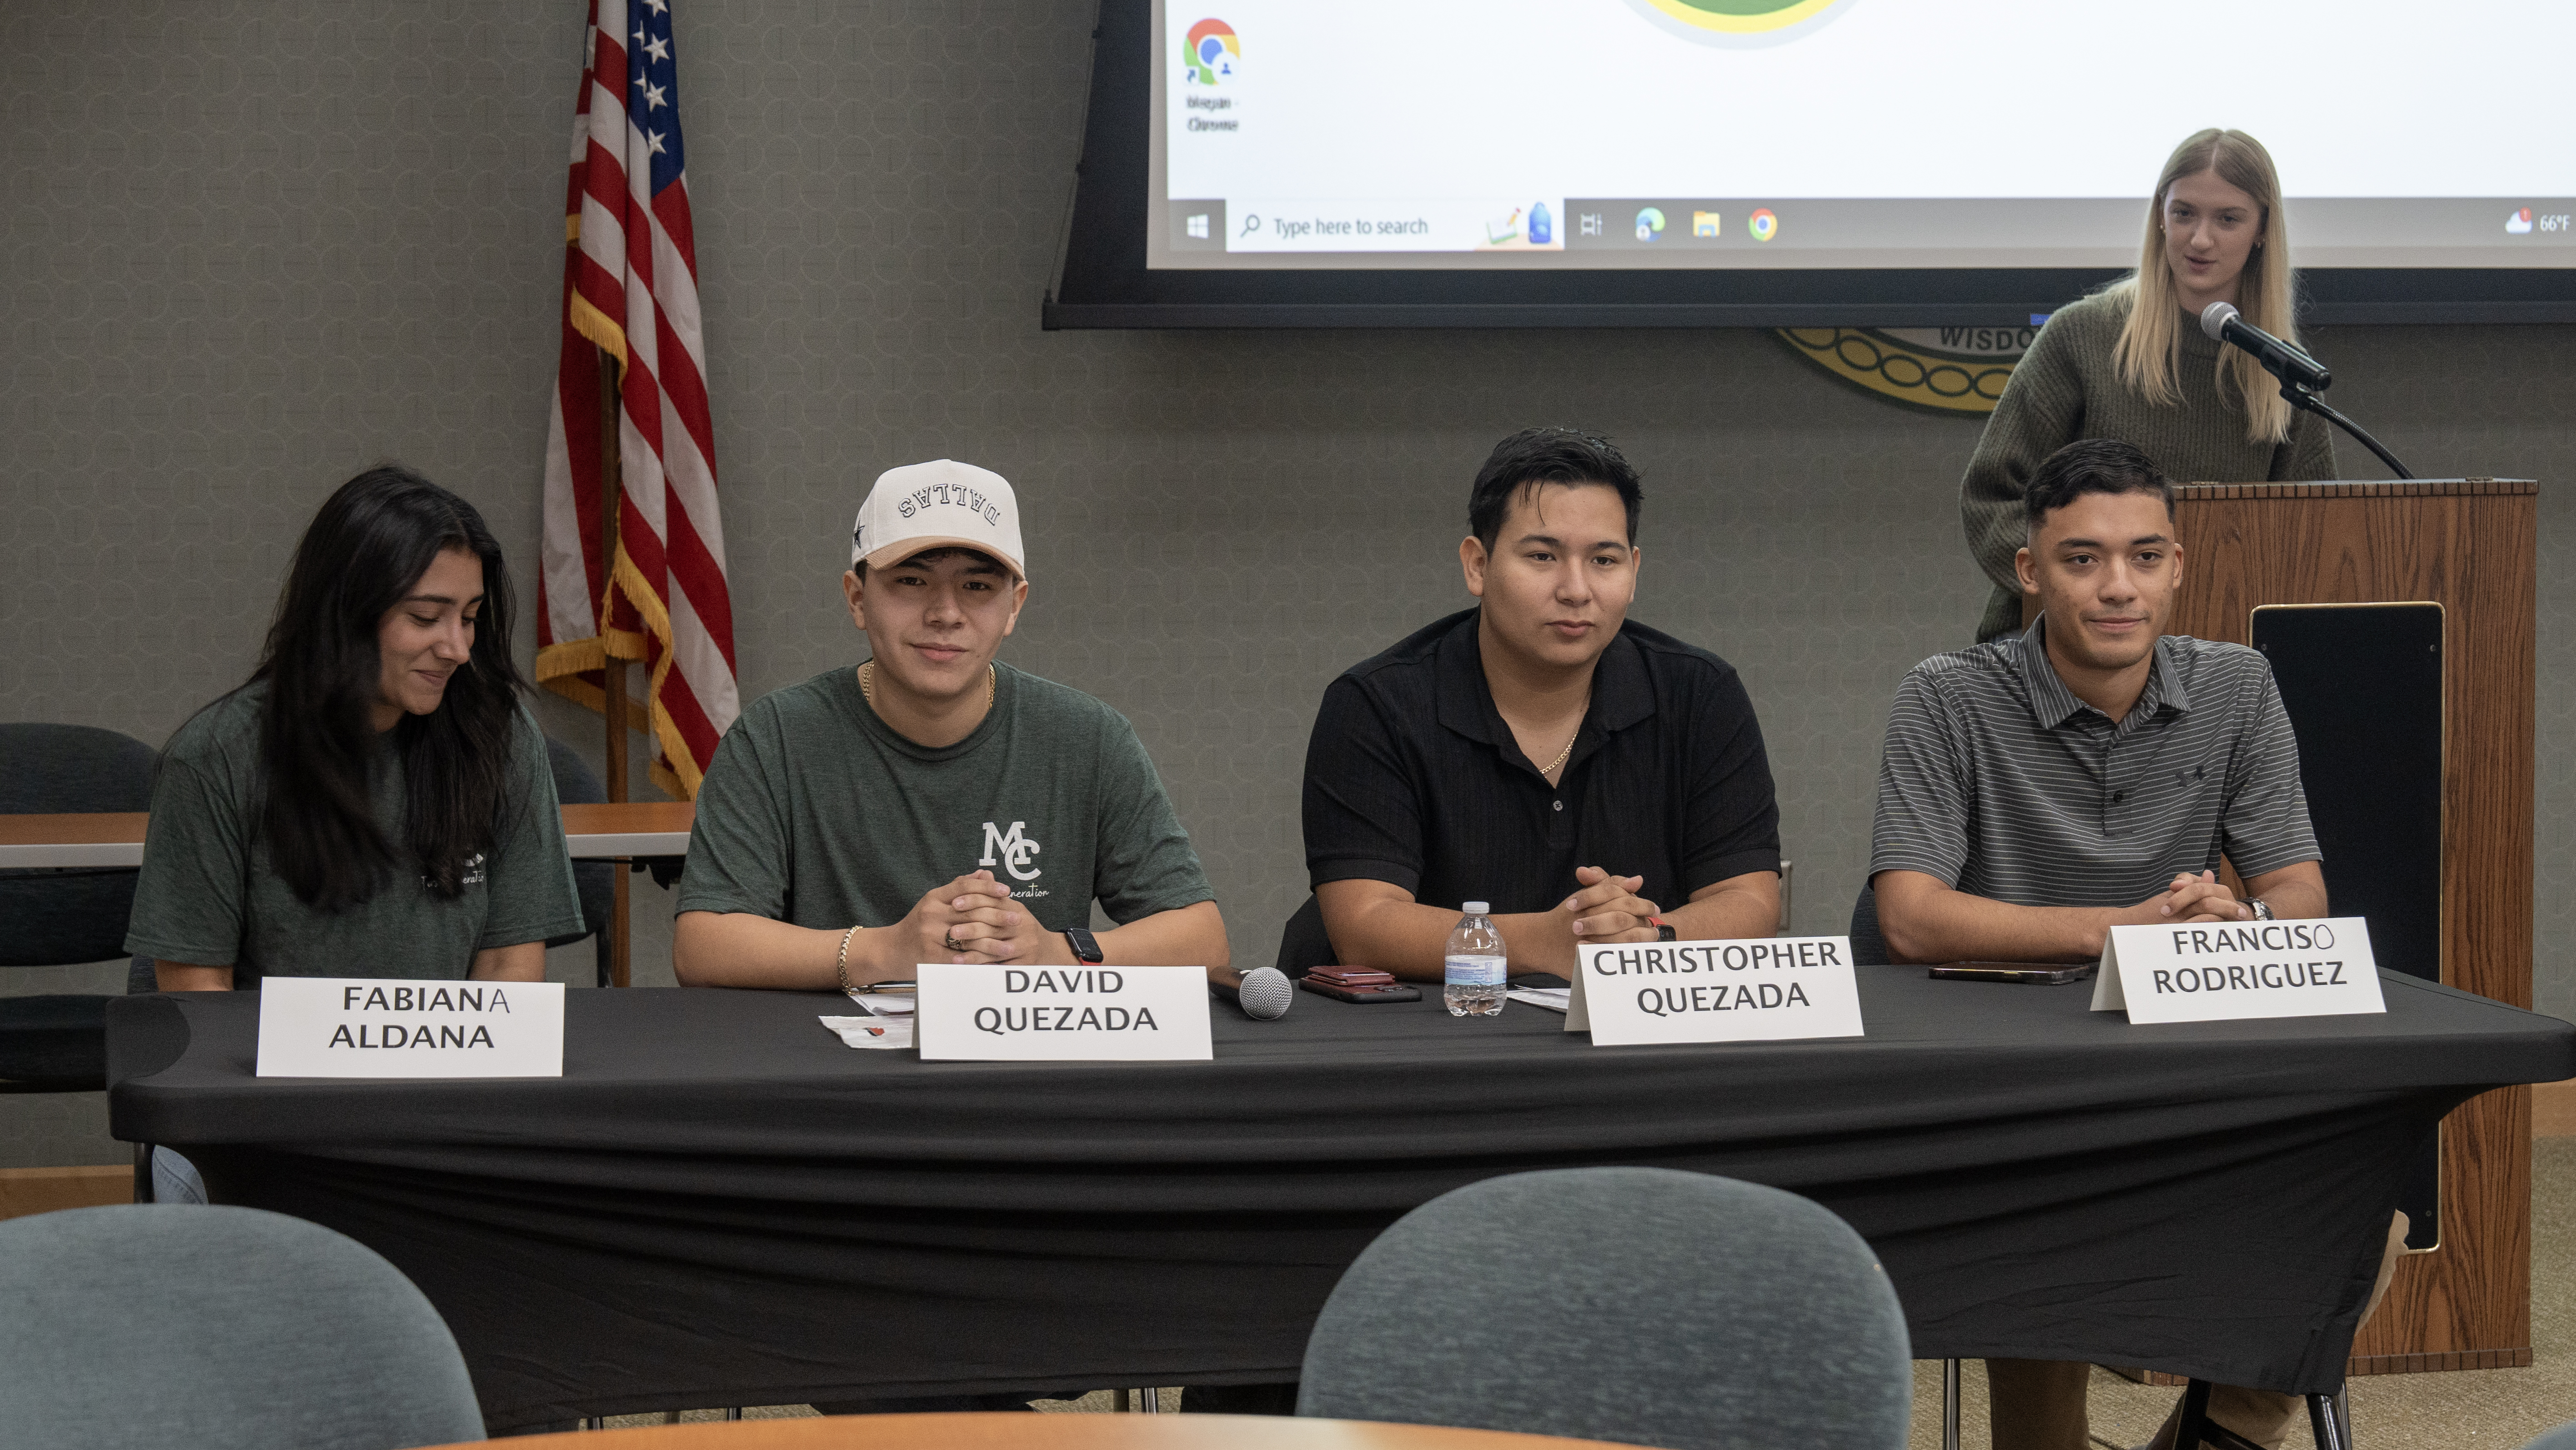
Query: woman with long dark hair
{"type": "Point", "coordinates": [375, 800]}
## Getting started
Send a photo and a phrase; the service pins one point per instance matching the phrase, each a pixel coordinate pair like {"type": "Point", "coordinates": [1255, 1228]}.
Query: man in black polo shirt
{"type": "Point", "coordinates": [1594, 779]}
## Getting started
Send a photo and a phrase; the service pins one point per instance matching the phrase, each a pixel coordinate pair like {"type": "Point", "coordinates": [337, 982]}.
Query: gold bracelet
{"type": "Point", "coordinates": [842, 963]}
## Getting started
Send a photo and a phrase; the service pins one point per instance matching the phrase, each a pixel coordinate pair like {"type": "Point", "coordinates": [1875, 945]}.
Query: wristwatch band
{"type": "Point", "coordinates": [2262, 909]}
{"type": "Point", "coordinates": [1086, 947]}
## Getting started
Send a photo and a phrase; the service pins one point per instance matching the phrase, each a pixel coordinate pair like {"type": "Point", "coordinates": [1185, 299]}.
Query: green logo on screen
{"type": "Point", "coordinates": [1740, 22]}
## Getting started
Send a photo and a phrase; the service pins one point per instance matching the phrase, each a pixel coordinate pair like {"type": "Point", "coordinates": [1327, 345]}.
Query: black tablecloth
{"type": "Point", "coordinates": [719, 1203]}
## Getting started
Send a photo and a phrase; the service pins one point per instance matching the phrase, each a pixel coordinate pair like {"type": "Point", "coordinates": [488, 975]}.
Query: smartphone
{"type": "Point", "coordinates": [1385, 990]}
{"type": "Point", "coordinates": [1353, 976]}
{"type": "Point", "coordinates": [2033, 972]}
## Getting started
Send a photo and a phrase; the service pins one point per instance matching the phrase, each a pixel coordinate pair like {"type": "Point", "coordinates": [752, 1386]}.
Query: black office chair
{"type": "Point", "coordinates": [64, 916]}
{"type": "Point", "coordinates": [1868, 943]}
{"type": "Point", "coordinates": [1303, 945]}
{"type": "Point", "coordinates": [596, 881]}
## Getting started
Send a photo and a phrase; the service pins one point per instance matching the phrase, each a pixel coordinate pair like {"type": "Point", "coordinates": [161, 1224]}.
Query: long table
{"type": "Point", "coordinates": [719, 1203]}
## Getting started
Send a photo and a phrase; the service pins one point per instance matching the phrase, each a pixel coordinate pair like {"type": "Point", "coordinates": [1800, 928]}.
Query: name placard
{"type": "Point", "coordinates": [1765, 989]}
{"type": "Point", "coordinates": [2215, 971]}
{"type": "Point", "coordinates": [982, 1013]}
{"type": "Point", "coordinates": [359, 1027]}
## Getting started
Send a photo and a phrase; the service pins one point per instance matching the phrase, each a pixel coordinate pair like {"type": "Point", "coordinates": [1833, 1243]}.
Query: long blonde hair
{"type": "Point", "coordinates": [2150, 348]}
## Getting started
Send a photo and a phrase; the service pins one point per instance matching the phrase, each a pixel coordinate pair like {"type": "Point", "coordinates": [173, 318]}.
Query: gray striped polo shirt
{"type": "Point", "coordinates": [2002, 784]}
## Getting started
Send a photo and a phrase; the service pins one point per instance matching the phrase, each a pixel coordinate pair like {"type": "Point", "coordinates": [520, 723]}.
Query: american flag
{"type": "Point", "coordinates": [631, 288]}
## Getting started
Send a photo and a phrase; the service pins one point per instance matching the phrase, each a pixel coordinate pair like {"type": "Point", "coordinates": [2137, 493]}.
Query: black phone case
{"type": "Point", "coordinates": [2036, 975]}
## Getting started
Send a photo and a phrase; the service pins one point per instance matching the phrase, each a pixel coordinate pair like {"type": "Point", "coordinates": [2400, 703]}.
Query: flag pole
{"type": "Point", "coordinates": [612, 669]}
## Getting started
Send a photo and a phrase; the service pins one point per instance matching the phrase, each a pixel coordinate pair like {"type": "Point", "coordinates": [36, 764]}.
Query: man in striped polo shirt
{"type": "Point", "coordinates": [2087, 773]}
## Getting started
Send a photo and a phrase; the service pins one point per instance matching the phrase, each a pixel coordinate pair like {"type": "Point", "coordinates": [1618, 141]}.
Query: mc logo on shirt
{"type": "Point", "coordinates": [1013, 850]}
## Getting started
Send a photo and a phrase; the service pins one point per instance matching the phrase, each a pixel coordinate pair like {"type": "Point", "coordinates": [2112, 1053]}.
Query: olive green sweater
{"type": "Point", "coordinates": [2068, 387]}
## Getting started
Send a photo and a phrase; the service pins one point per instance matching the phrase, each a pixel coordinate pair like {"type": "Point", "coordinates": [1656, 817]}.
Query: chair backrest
{"type": "Point", "coordinates": [1303, 944]}
{"type": "Point", "coordinates": [1868, 943]}
{"type": "Point", "coordinates": [62, 917]}
{"type": "Point", "coordinates": [1631, 1304]}
{"type": "Point", "coordinates": [218, 1329]}
{"type": "Point", "coordinates": [2562, 1438]}
{"type": "Point", "coordinates": [595, 882]}
{"type": "Point", "coordinates": [576, 784]}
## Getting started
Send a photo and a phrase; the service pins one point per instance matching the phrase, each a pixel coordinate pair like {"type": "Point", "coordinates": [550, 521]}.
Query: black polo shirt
{"type": "Point", "coordinates": [1413, 778]}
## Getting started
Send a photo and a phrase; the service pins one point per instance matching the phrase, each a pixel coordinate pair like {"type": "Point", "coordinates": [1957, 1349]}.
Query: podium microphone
{"type": "Point", "coordinates": [2294, 368]}
{"type": "Point", "coordinates": [2302, 377]}
{"type": "Point", "coordinates": [1263, 993]}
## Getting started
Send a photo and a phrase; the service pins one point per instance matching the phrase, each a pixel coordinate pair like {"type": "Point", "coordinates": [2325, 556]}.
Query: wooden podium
{"type": "Point", "coordinates": [2467, 545]}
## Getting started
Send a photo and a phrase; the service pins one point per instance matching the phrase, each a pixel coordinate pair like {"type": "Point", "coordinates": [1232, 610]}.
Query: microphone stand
{"type": "Point", "coordinates": [2300, 395]}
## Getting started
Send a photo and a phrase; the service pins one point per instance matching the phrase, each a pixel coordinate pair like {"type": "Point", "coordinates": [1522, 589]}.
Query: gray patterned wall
{"type": "Point", "coordinates": [248, 247]}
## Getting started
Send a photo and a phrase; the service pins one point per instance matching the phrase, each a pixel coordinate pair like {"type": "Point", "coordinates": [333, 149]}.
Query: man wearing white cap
{"type": "Point", "coordinates": [932, 805]}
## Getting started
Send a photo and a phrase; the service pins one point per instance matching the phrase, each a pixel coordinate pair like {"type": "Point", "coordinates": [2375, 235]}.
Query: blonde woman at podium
{"type": "Point", "coordinates": [2130, 361]}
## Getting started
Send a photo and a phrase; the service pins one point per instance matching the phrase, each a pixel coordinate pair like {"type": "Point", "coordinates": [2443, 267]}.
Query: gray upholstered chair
{"type": "Point", "coordinates": [64, 916]}
{"type": "Point", "coordinates": [218, 1329]}
{"type": "Point", "coordinates": [1631, 1304]}
{"type": "Point", "coordinates": [2562, 1438]}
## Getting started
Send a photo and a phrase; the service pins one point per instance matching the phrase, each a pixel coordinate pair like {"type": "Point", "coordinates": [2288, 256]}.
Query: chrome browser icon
{"type": "Point", "coordinates": [1741, 22]}
{"type": "Point", "coordinates": [1212, 55]}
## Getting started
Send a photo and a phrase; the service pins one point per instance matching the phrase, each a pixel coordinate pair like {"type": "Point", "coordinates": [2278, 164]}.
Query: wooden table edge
{"type": "Point", "coordinates": [114, 839]}
{"type": "Point", "coordinates": [1004, 1431]}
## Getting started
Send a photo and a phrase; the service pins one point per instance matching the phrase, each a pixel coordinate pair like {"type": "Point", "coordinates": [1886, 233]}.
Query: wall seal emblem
{"type": "Point", "coordinates": [1941, 369]}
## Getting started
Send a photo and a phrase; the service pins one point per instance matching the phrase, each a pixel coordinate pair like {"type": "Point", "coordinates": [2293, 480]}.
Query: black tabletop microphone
{"type": "Point", "coordinates": [1263, 993]}
{"type": "Point", "coordinates": [2294, 368]}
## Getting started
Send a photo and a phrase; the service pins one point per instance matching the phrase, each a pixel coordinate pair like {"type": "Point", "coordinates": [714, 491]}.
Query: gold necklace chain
{"type": "Point", "coordinates": [1568, 752]}
{"type": "Point", "coordinates": [992, 679]}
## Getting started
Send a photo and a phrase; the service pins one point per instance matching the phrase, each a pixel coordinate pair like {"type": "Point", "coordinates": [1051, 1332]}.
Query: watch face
{"type": "Point", "coordinates": [1086, 947]}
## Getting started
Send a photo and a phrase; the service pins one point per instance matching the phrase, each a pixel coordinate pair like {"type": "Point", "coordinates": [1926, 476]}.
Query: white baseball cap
{"type": "Point", "coordinates": [933, 505]}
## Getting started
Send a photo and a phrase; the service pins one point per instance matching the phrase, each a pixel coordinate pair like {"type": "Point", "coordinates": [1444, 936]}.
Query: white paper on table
{"type": "Point", "coordinates": [873, 1032]}
{"type": "Point", "coordinates": [1554, 999]}
{"type": "Point", "coordinates": [885, 1004]}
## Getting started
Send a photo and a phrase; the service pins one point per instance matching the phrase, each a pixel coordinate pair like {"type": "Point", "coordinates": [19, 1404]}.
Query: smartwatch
{"type": "Point", "coordinates": [1664, 932]}
{"type": "Point", "coordinates": [1086, 947]}
{"type": "Point", "coordinates": [2262, 909]}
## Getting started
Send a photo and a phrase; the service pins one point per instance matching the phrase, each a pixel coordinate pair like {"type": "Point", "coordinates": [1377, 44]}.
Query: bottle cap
{"type": "Point", "coordinates": [1479, 908]}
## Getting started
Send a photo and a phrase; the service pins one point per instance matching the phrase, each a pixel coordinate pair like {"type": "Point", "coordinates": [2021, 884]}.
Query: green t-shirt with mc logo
{"type": "Point", "coordinates": [815, 812]}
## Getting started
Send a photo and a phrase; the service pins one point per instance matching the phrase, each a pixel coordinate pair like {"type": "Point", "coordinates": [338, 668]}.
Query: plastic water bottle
{"type": "Point", "coordinates": [1473, 984]}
